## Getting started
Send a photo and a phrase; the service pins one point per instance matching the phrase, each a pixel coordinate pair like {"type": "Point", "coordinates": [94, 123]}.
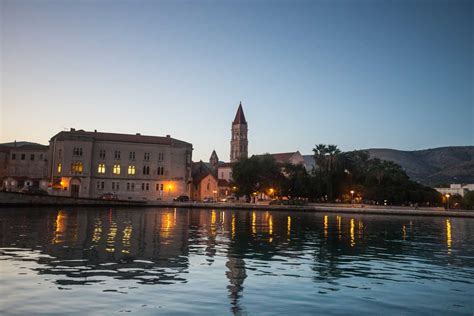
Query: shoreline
{"type": "Point", "coordinates": [8, 200]}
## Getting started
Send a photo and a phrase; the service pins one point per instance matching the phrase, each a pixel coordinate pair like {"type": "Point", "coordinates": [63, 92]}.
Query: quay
{"type": "Point", "coordinates": [9, 199]}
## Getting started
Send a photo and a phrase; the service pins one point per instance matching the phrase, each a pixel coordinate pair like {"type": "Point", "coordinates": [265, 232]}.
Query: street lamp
{"type": "Point", "coordinates": [447, 201]}
{"type": "Point", "coordinates": [352, 195]}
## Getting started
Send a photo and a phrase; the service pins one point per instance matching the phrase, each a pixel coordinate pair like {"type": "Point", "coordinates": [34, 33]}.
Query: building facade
{"type": "Point", "coordinates": [239, 141]}
{"type": "Point", "coordinates": [23, 166]}
{"type": "Point", "coordinates": [453, 189]}
{"type": "Point", "coordinates": [205, 185]}
{"type": "Point", "coordinates": [133, 167]}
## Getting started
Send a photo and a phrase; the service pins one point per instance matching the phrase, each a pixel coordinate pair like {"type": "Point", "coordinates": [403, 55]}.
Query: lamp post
{"type": "Point", "coordinates": [352, 195]}
{"type": "Point", "coordinates": [447, 201]}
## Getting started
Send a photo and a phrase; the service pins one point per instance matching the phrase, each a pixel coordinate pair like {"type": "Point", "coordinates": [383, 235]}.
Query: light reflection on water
{"type": "Point", "coordinates": [103, 261]}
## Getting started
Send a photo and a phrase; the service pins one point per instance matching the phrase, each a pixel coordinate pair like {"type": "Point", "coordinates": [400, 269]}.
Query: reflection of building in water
{"type": "Point", "coordinates": [236, 275]}
{"type": "Point", "coordinates": [114, 238]}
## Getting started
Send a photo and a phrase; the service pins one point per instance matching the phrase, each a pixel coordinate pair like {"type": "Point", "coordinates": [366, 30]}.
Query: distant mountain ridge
{"type": "Point", "coordinates": [433, 166]}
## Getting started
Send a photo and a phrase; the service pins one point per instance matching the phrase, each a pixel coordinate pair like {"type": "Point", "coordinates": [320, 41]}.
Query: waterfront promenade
{"type": "Point", "coordinates": [8, 199]}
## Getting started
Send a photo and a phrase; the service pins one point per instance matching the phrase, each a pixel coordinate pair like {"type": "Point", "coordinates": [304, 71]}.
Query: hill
{"type": "Point", "coordinates": [433, 166]}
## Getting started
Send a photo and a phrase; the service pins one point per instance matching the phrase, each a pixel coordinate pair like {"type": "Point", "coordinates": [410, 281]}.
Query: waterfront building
{"type": "Point", "coordinates": [456, 188]}
{"type": "Point", "coordinates": [239, 141]}
{"type": "Point", "coordinates": [205, 185]}
{"type": "Point", "coordinates": [133, 167]}
{"type": "Point", "coordinates": [23, 165]}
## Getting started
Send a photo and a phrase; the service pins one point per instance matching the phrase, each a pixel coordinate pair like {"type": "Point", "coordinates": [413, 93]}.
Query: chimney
{"type": "Point", "coordinates": [15, 143]}
{"type": "Point", "coordinates": [138, 134]}
{"type": "Point", "coordinates": [168, 136]}
{"type": "Point", "coordinates": [95, 131]}
{"type": "Point", "coordinates": [73, 129]}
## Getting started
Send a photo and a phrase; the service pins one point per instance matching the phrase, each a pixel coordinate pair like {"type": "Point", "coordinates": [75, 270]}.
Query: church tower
{"type": "Point", "coordinates": [239, 142]}
{"type": "Point", "coordinates": [214, 160]}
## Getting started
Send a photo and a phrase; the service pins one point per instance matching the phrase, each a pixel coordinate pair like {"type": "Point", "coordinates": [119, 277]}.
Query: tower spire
{"type": "Point", "coordinates": [239, 141]}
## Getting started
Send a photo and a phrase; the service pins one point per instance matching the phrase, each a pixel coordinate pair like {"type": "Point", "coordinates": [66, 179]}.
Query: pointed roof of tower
{"type": "Point", "coordinates": [239, 116]}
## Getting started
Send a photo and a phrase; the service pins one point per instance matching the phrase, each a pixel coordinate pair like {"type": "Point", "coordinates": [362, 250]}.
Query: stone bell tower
{"type": "Point", "coordinates": [239, 142]}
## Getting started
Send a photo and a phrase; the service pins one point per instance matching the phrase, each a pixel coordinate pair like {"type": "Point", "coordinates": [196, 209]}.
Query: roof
{"type": "Point", "coordinates": [223, 183]}
{"type": "Point", "coordinates": [115, 137]}
{"type": "Point", "coordinates": [199, 171]}
{"type": "Point", "coordinates": [239, 116]}
{"type": "Point", "coordinates": [23, 147]}
{"type": "Point", "coordinates": [283, 157]}
{"type": "Point", "coordinates": [226, 164]}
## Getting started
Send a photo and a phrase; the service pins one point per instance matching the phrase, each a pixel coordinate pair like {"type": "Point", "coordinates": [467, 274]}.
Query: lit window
{"type": "Point", "coordinates": [131, 170]}
{"type": "Point", "coordinates": [116, 169]}
{"type": "Point", "coordinates": [60, 167]}
{"type": "Point", "coordinates": [77, 167]}
{"type": "Point", "coordinates": [101, 168]}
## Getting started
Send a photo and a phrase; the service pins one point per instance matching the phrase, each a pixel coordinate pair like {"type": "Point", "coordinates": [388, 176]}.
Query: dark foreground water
{"type": "Point", "coordinates": [166, 261]}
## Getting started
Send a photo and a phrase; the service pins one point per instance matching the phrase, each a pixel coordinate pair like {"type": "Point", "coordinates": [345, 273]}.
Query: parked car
{"type": "Point", "coordinates": [181, 198]}
{"type": "Point", "coordinates": [109, 196]}
{"type": "Point", "coordinates": [33, 190]}
{"type": "Point", "coordinates": [208, 200]}
{"type": "Point", "coordinates": [229, 199]}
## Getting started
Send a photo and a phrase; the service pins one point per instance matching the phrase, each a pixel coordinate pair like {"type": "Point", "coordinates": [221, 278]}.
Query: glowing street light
{"type": "Point", "coordinates": [447, 201]}
{"type": "Point", "coordinates": [352, 195]}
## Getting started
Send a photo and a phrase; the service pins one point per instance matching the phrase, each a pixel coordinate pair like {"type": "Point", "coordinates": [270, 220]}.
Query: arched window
{"type": "Point", "coordinates": [101, 168]}
{"type": "Point", "coordinates": [116, 169]}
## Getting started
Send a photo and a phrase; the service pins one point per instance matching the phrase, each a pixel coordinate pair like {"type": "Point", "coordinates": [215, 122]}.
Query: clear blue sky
{"type": "Point", "coordinates": [359, 74]}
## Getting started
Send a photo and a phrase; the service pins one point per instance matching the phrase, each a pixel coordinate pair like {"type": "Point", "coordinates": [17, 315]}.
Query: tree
{"type": "Point", "coordinates": [468, 200]}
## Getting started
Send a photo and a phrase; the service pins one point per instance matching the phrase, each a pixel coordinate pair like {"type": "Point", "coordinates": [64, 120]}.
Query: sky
{"type": "Point", "coordinates": [358, 74]}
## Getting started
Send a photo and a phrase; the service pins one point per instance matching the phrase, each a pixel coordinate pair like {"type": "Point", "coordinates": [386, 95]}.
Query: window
{"type": "Point", "coordinates": [146, 169]}
{"type": "Point", "coordinates": [116, 169]}
{"type": "Point", "coordinates": [146, 157]}
{"type": "Point", "coordinates": [23, 156]}
{"type": "Point", "coordinates": [101, 168]}
{"type": "Point", "coordinates": [145, 186]}
{"type": "Point", "coordinates": [60, 167]}
{"type": "Point", "coordinates": [161, 157]}
{"type": "Point", "coordinates": [161, 187]}
{"type": "Point", "coordinates": [131, 156]}
{"type": "Point", "coordinates": [115, 186]}
{"type": "Point", "coordinates": [208, 186]}
{"type": "Point", "coordinates": [131, 170]}
{"type": "Point", "coordinates": [117, 154]}
{"type": "Point", "coordinates": [100, 185]}
{"type": "Point", "coordinates": [77, 167]}
{"type": "Point", "coordinates": [13, 156]}
{"type": "Point", "coordinates": [130, 186]}
{"type": "Point", "coordinates": [60, 153]}
{"type": "Point", "coordinates": [160, 170]}
{"type": "Point", "coordinates": [32, 157]}
{"type": "Point", "coordinates": [77, 151]}
{"type": "Point", "coordinates": [102, 154]}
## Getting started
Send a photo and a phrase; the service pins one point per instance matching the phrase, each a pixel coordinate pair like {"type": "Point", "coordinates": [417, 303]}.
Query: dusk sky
{"type": "Point", "coordinates": [359, 74]}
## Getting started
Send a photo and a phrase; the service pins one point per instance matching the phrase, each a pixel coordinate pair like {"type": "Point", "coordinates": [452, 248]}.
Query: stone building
{"type": "Point", "coordinates": [134, 167]}
{"type": "Point", "coordinates": [239, 141]}
{"type": "Point", "coordinates": [204, 182]}
{"type": "Point", "coordinates": [23, 165]}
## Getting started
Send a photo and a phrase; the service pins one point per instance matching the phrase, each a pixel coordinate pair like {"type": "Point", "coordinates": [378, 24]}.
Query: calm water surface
{"type": "Point", "coordinates": [213, 262]}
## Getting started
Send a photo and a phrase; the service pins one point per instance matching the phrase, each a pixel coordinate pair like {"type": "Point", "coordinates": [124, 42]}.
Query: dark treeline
{"type": "Point", "coordinates": [335, 175]}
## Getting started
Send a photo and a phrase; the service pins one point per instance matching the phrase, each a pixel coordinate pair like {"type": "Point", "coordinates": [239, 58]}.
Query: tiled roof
{"type": "Point", "coordinates": [223, 183]}
{"type": "Point", "coordinates": [239, 116]}
{"type": "Point", "coordinates": [283, 157]}
{"type": "Point", "coordinates": [199, 171]}
{"type": "Point", "coordinates": [115, 137]}
{"type": "Point", "coordinates": [226, 164]}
